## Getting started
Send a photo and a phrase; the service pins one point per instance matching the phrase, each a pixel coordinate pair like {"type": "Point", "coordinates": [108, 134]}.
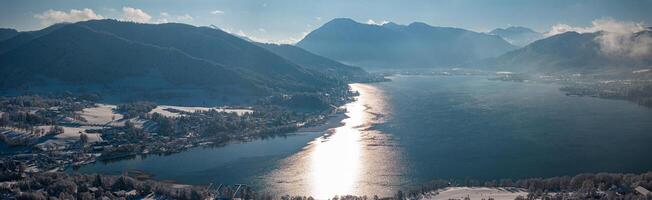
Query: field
{"type": "Point", "coordinates": [476, 193]}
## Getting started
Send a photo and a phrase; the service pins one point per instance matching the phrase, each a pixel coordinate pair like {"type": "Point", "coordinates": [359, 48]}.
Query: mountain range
{"type": "Point", "coordinates": [401, 46]}
{"type": "Point", "coordinates": [394, 46]}
{"type": "Point", "coordinates": [154, 60]}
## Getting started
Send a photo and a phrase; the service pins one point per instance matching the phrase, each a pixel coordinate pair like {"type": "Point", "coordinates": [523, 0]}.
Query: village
{"type": "Point", "coordinates": [55, 134]}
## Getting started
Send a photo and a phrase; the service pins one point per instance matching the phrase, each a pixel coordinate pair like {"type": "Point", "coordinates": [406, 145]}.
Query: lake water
{"type": "Point", "coordinates": [418, 128]}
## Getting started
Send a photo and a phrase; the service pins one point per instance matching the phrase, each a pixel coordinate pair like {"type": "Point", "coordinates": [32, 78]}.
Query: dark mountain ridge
{"type": "Point", "coordinates": [219, 47]}
{"type": "Point", "coordinates": [6, 33]}
{"type": "Point", "coordinates": [71, 55]}
{"type": "Point", "coordinates": [129, 58]}
{"type": "Point", "coordinates": [22, 38]}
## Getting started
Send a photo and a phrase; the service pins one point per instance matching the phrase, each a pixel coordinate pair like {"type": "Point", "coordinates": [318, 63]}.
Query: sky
{"type": "Point", "coordinates": [287, 21]}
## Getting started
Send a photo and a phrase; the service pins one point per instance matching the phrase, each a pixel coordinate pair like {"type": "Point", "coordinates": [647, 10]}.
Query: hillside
{"type": "Point", "coordinates": [134, 61]}
{"type": "Point", "coordinates": [323, 65]}
{"type": "Point", "coordinates": [219, 47]}
{"type": "Point", "coordinates": [21, 38]}
{"type": "Point", "coordinates": [70, 57]}
{"type": "Point", "coordinates": [6, 33]}
{"type": "Point", "coordinates": [566, 52]}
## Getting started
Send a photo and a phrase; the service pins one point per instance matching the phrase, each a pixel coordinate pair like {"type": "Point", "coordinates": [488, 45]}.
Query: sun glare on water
{"type": "Point", "coordinates": [336, 160]}
{"type": "Point", "coordinates": [348, 160]}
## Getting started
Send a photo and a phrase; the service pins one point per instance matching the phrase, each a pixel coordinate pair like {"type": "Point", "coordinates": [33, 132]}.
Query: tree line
{"type": "Point", "coordinates": [581, 186]}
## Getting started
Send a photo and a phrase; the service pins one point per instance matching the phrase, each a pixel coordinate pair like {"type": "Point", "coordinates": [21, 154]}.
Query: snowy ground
{"type": "Point", "coordinates": [163, 110]}
{"type": "Point", "coordinates": [69, 136]}
{"type": "Point", "coordinates": [103, 114]}
{"type": "Point", "coordinates": [476, 193]}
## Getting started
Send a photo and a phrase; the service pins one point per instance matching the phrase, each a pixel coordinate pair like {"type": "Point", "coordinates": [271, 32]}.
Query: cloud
{"type": "Point", "coordinates": [372, 22]}
{"type": "Point", "coordinates": [185, 17]}
{"type": "Point", "coordinates": [110, 9]}
{"type": "Point", "coordinates": [242, 34]}
{"type": "Point", "coordinates": [617, 38]}
{"type": "Point", "coordinates": [605, 24]}
{"type": "Point", "coordinates": [165, 17]}
{"type": "Point", "coordinates": [50, 17]}
{"type": "Point", "coordinates": [291, 40]}
{"type": "Point", "coordinates": [217, 12]}
{"type": "Point", "coordinates": [135, 15]}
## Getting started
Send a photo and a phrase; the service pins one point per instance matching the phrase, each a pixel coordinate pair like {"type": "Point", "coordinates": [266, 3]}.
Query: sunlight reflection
{"type": "Point", "coordinates": [350, 159]}
{"type": "Point", "coordinates": [337, 159]}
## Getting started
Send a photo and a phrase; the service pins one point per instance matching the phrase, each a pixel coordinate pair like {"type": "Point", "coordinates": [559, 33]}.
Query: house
{"type": "Point", "coordinates": [93, 189]}
{"type": "Point", "coordinates": [504, 74]}
{"type": "Point", "coordinates": [131, 193]}
{"type": "Point", "coordinates": [642, 191]}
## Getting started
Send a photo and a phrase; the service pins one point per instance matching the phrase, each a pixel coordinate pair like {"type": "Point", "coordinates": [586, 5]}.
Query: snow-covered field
{"type": "Point", "coordinates": [476, 193]}
{"type": "Point", "coordinates": [103, 114]}
{"type": "Point", "coordinates": [238, 111]}
{"type": "Point", "coordinates": [69, 136]}
{"type": "Point", "coordinates": [163, 110]}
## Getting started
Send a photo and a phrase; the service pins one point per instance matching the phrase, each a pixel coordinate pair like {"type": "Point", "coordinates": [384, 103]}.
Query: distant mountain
{"type": "Point", "coordinates": [392, 45]}
{"type": "Point", "coordinates": [518, 35]}
{"type": "Point", "coordinates": [566, 52]}
{"type": "Point", "coordinates": [133, 59]}
{"type": "Point", "coordinates": [6, 33]}
{"type": "Point", "coordinates": [318, 63]}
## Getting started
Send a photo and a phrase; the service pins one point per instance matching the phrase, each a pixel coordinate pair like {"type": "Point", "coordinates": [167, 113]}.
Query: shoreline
{"type": "Point", "coordinates": [332, 121]}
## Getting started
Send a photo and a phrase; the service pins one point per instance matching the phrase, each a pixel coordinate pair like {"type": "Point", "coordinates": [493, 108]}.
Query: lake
{"type": "Point", "coordinates": [418, 128]}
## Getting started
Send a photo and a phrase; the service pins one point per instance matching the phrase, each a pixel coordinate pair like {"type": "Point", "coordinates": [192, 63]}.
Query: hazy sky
{"type": "Point", "coordinates": [289, 20]}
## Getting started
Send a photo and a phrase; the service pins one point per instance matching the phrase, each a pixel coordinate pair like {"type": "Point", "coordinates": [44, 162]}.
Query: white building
{"type": "Point", "coordinates": [642, 190]}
